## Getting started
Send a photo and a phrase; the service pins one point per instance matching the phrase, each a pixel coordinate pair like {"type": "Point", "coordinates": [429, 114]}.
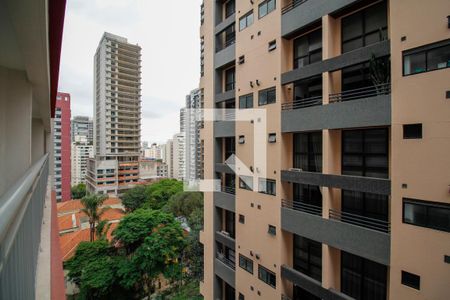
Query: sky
{"type": "Point", "coordinates": [167, 31]}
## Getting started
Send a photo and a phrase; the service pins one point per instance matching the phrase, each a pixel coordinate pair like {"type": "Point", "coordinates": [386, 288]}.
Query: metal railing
{"type": "Point", "coordinates": [365, 92]}
{"type": "Point", "coordinates": [292, 5]}
{"type": "Point", "coordinates": [370, 223]}
{"type": "Point", "coordinates": [21, 213]}
{"type": "Point", "coordinates": [301, 206]}
{"type": "Point", "coordinates": [230, 40]}
{"type": "Point", "coordinates": [302, 103]}
{"type": "Point", "coordinates": [228, 189]}
{"type": "Point", "coordinates": [226, 261]}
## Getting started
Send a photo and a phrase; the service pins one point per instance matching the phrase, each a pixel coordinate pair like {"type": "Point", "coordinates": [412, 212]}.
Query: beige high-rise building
{"type": "Point", "coordinates": [355, 200]}
{"type": "Point", "coordinates": [117, 116]}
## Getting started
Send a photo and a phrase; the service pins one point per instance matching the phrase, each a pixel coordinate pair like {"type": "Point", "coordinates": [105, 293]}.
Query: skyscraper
{"type": "Point", "coordinates": [61, 140]}
{"type": "Point", "coordinates": [117, 116]}
{"type": "Point", "coordinates": [191, 126]}
{"type": "Point", "coordinates": [82, 150]}
{"type": "Point", "coordinates": [82, 126]}
{"type": "Point", "coordinates": [351, 200]}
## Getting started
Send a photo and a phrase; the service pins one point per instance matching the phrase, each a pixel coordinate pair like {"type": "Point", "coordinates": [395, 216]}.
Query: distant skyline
{"type": "Point", "coordinates": [170, 55]}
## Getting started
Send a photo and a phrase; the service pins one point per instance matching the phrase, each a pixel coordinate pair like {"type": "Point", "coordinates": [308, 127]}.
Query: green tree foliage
{"type": "Point", "coordinates": [185, 203]}
{"type": "Point", "coordinates": [78, 191]}
{"type": "Point", "coordinates": [159, 193]}
{"type": "Point", "coordinates": [92, 208]}
{"type": "Point", "coordinates": [134, 198]}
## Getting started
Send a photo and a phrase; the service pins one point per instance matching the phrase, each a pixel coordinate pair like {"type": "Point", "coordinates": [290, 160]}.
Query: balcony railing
{"type": "Point", "coordinates": [302, 103]}
{"type": "Point", "coordinates": [365, 92]}
{"type": "Point", "coordinates": [226, 261]}
{"type": "Point", "coordinates": [362, 221]}
{"type": "Point", "coordinates": [292, 5]}
{"type": "Point", "coordinates": [228, 189]}
{"type": "Point", "coordinates": [21, 213]}
{"type": "Point", "coordinates": [230, 40]}
{"type": "Point", "coordinates": [301, 206]}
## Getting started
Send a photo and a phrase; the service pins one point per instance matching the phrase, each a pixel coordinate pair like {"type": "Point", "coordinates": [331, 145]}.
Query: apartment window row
{"type": "Point", "coordinates": [266, 7]}
{"type": "Point", "coordinates": [431, 57]}
{"type": "Point", "coordinates": [426, 214]}
{"type": "Point", "coordinates": [266, 96]}
{"type": "Point", "coordinates": [246, 20]}
{"type": "Point", "coordinates": [267, 276]}
{"type": "Point", "coordinates": [246, 263]}
{"type": "Point", "coordinates": [308, 49]}
{"type": "Point", "coordinates": [267, 186]}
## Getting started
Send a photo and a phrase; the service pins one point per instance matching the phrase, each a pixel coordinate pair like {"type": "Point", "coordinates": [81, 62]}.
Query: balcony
{"type": "Point", "coordinates": [223, 168]}
{"type": "Point", "coordinates": [358, 220]}
{"type": "Point", "coordinates": [350, 237]}
{"type": "Point", "coordinates": [303, 207]}
{"type": "Point", "coordinates": [300, 14]}
{"type": "Point", "coordinates": [225, 200]}
{"type": "Point", "coordinates": [224, 129]}
{"type": "Point", "coordinates": [354, 183]}
{"type": "Point", "coordinates": [225, 239]}
{"type": "Point", "coordinates": [225, 269]}
{"type": "Point", "coordinates": [225, 96]}
{"type": "Point", "coordinates": [225, 55]}
{"type": "Point", "coordinates": [311, 285]}
{"type": "Point", "coordinates": [225, 23]}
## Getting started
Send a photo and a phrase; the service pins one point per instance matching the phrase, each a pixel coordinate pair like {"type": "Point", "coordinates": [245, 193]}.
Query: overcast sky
{"type": "Point", "coordinates": [167, 31]}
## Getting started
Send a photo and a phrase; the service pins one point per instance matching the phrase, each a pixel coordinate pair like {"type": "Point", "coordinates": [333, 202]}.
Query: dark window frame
{"type": "Point", "coordinates": [243, 185]}
{"type": "Point", "coordinates": [272, 138]}
{"type": "Point", "coordinates": [267, 276]}
{"type": "Point", "coordinates": [424, 50]}
{"type": "Point", "coordinates": [248, 100]}
{"type": "Point", "coordinates": [411, 280]}
{"type": "Point", "coordinates": [266, 3]}
{"type": "Point", "coordinates": [246, 16]}
{"type": "Point", "coordinates": [226, 7]}
{"type": "Point", "coordinates": [246, 263]}
{"type": "Point", "coordinates": [272, 91]}
{"type": "Point", "coordinates": [311, 154]}
{"type": "Point", "coordinates": [270, 186]}
{"type": "Point", "coordinates": [410, 132]}
{"type": "Point", "coordinates": [426, 205]}
{"type": "Point", "coordinates": [297, 57]}
{"type": "Point", "coordinates": [307, 247]}
{"type": "Point", "coordinates": [230, 73]}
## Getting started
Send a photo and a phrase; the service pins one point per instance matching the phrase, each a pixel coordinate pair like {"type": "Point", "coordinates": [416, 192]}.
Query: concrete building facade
{"type": "Point", "coordinates": [178, 161]}
{"type": "Point", "coordinates": [117, 116]}
{"type": "Point", "coordinates": [82, 126]}
{"type": "Point", "coordinates": [62, 148]}
{"type": "Point", "coordinates": [355, 201]}
{"type": "Point", "coordinates": [82, 150]}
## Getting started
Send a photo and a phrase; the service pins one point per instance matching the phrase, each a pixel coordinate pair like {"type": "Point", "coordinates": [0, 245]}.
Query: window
{"type": "Point", "coordinates": [426, 214]}
{"type": "Point", "coordinates": [246, 182]}
{"type": "Point", "coordinates": [241, 297]}
{"type": "Point", "coordinates": [362, 278]}
{"type": "Point", "coordinates": [241, 59]}
{"type": "Point", "coordinates": [246, 101]}
{"type": "Point", "coordinates": [272, 230]}
{"type": "Point", "coordinates": [229, 223]}
{"type": "Point", "coordinates": [308, 49]}
{"type": "Point", "coordinates": [242, 219]}
{"type": "Point", "coordinates": [267, 96]}
{"type": "Point", "coordinates": [246, 263]}
{"type": "Point", "coordinates": [307, 194]}
{"type": "Point", "coordinates": [241, 139]}
{"type": "Point", "coordinates": [230, 8]}
{"type": "Point", "coordinates": [368, 205]}
{"type": "Point", "coordinates": [365, 27]}
{"type": "Point", "coordinates": [246, 20]}
{"type": "Point", "coordinates": [267, 186]}
{"type": "Point", "coordinates": [412, 131]}
{"type": "Point", "coordinates": [266, 8]}
{"type": "Point", "coordinates": [230, 146]}
{"type": "Point", "coordinates": [365, 152]}
{"type": "Point", "coordinates": [428, 58]}
{"type": "Point", "coordinates": [308, 257]}
{"type": "Point", "coordinates": [230, 79]}
{"type": "Point", "coordinates": [411, 280]}
{"type": "Point", "coordinates": [272, 45]}
{"type": "Point", "coordinates": [309, 90]}
{"type": "Point", "coordinates": [267, 276]}
{"type": "Point", "coordinates": [308, 151]}
{"type": "Point", "coordinates": [272, 138]}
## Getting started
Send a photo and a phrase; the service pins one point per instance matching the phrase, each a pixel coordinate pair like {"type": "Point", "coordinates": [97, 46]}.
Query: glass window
{"type": "Point", "coordinates": [308, 257]}
{"type": "Point", "coordinates": [246, 263]}
{"type": "Point", "coordinates": [432, 58]}
{"type": "Point", "coordinates": [368, 205]}
{"type": "Point", "coordinates": [362, 278]}
{"type": "Point", "coordinates": [427, 214]}
{"type": "Point", "coordinates": [412, 131]}
{"type": "Point", "coordinates": [272, 230]}
{"type": "Point", "coordinates": [308, 151]}
{"type": "Point", "coordinates": [229, 223]}
{"type": "Point", "coordinates": [272, 138]}
{"type": "Point", "coordinates": [229, 8]}
{"type": "Point", "coordinates": [267, 186]}
{"type": "Point", "coordinates": [308, 49]}
{"type": "Point", "coordinates": [411, 280]}
{"type": "Point", "coordinates": [309, 194]}
{"type": "Point", "coordinates": [267, 276]}
{"type": "Point", "coordinates": [230, 79]}
{"type": "Point", "coordinates": [246, 182]}
{"type": "Point", "coordinates": [246, 20]}
{"type": "Point", "coordinates": [266, 8]}
{"type": "Point", "coordinates": [267, 96]}
{"type": "Point", "coordinates": [246, 101]}
{"type": "Point", "coordinates": [365, 152]}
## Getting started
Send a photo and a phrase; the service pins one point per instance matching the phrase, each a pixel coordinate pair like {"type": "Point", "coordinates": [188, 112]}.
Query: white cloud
{"type": "Point", "coordinates": [167, 31]}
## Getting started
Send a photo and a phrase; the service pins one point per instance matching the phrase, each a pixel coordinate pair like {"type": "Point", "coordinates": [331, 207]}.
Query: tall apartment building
{"type": "Point", "coordinates": [117, 116]}
{"type": "Point", "coordinates": [355, 201]}
{"type": "Point", "coordinates": [61, 142]}
{"type": "Point", "coordinates": [178, 161]}
{"type": "Point", "coordinates": [168, 149]}
{"type": "Point", "coordinates": [192, 120]}
{"type": "Point", "coordinates": [82, 126]}
{"type": "Point", "coordinates": [82, 150]}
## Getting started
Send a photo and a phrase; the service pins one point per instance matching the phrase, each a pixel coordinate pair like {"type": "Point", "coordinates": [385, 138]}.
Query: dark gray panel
{"type": "Point", "coordinates": [226, 240]}
{"type": "Point", "coordinates": [311, 285]}
{"type": "Point", "coordinates": [227, 22]}
{"type": "Point", "coordinates": [225, 56]}
{"type": "Point", "coordinates": [366, 112]}
{"type": "Point", "coordinates": [367, 243]}
{"type": "Point", "coordinates": [224, 129]}
{"type": "Point", "coordinates": [336, 63]}
{"type": "Point", "coordinates": [223, 168]}
{"type": "Point", "coordinates": [308, 12]}
{"type": "Point", "coordinates": [229, 95]}
{"type": "Point", "coordinates": [354, 183]}
{"type": "Point", "coordinates": [225, 272]}
{"type": "Point", "coordinates": [225, 201]}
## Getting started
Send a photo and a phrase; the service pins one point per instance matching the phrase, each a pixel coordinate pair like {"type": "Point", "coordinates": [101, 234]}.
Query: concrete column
{"type": "Point", "coordinates": [38, 140]}
{"type": "Point", "coordinates": [15, 126]}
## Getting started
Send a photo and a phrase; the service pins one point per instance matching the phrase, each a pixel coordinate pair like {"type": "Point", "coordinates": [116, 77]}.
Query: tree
{"type": "Point", "coordinates": [78, 191]}
{"type": "Point", "coordinates": [184, 203]}
{"type": "Point", "coordinates": [159, 193]}
{"type": "Point", "coordinates": [92, 208]}
{"type": "Point", "coordinates": [101, 231]}
{"type": "Point", "coordinates": [134, 198]}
